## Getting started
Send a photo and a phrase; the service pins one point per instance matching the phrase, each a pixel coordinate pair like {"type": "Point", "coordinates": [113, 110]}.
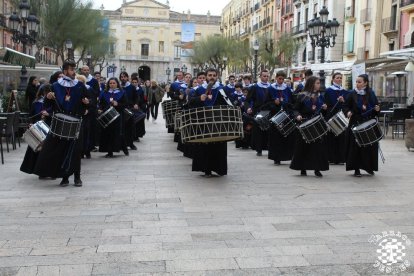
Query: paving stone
{"type": "Point", "coordinates": [205, 264]}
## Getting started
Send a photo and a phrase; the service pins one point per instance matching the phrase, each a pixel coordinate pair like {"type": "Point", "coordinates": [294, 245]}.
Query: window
{"type": "Point", "coordinates": [177, 51]}
{"type": "Point", "coordinates": [177, 33]}
{"type": "Point", "coordinates": [112, 48]}
{"type": "Point", "coordinates": [144, 49]}
{"type": "Point", "coordinates": [128, 45]}
{"type": "Point", "coordinates": [161, 46]}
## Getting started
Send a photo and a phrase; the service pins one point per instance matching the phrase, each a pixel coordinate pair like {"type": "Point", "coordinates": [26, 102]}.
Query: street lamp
{"type": "Point", "coordinates": [111, 69]}
{"type": "Point", "coordinates": [88, 59]}
{"type": "Point", "coordinates": [224, 64]}
{"type": "Point", "coordinates": [123, 69]}
{"type": "Point", "coordinates": [256, 49]}
{"type": "Point", "coordinates": [322, 33]}
{"type": "Point", "coordinates": [184, 69]}
{"type": "Point", "coordinates": [168, 73]}
{"type": "Point", "coordinates": [24, 29]}
{"type": "Point", "coordinates": [69, 47]}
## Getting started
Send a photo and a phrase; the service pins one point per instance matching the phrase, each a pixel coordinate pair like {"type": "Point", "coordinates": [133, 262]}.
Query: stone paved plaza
{"type": "Point", "coordinates": [148, 214]}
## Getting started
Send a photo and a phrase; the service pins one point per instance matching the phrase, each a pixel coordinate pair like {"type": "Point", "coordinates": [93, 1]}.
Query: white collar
{"type": "Point", "coordinates": [277, 86]}
{"type": "Point", "coordinates": [230, 85]}
{"type": "Point", "coordinates": [336, 87]}
{"type": "Point", "coordinates": [263, 84]}
{"type": "Point", "coordinates": [89, 78]}
{"type": "Point", "coordinates": [239, 93]}
{"type": "Point", "coordinates": [114, 91]}
{"type": "Point", "coordinates": [183, 85]}
{"type": "Point", "coordinates": [87, 86]}
{"type": "Point", "coordinates": [179, 81]}
{"type": "Point", "coordinates": [67, 82]}
{"type": "Point", "coordinates": [217, 84]}
{"type": "Point", "coordinates": [361, 92]}
{"type": "Point", "coordinates": [127, 84]}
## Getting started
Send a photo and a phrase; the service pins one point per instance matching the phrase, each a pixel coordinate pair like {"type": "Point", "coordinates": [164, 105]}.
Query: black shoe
{"type": "Point", "coordinates": [357, 173]}
{"type": "Point", "coordinates": [207, 174]}
{"type": "Point", "coordinates": [277, 163]}
{"type": "Point", "coordinates": [318, 174]}
{"type": "Point", "coordinates": [303, 172]}
{"type": "Point", "coordinates": [64, 182]}
{"type": "Point", "coordinates": [133, 147]}
{"type": "Point", "coordinates": [370, 172]}
{"type": "Point", "coordinates": [95, 149]}
{"type": "Point", "coordinates": [109, 155]}
{"type": "Point", "coordinates": [259, 153]}
{"type": "Point", "coordinates": [78, 182]}
{"type": "Point", "coordinates": [138, 140]}
{"type": "Point", "coordinates": [125, 150]}
{"type": "Point", "coordinates": [88, 155]}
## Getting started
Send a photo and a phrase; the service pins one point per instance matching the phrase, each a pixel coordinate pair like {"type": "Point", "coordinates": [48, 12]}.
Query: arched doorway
{"type": "Point", "coordinates": [144, 73]}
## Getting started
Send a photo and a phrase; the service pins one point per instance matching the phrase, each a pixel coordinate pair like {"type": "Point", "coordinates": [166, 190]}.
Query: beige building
{"type": "Point", "coordinates": [150, 38]}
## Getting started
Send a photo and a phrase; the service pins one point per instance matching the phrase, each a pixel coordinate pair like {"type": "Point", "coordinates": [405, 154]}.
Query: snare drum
{"type": "Point", "coordinates": [177, 121]}
{"type": "Point", "coordinates": [108, 117]}
{"type": "Point", "coordinates": [65, 126]}
{"type": "Point", "coordinates": [262, 120]}
{"type": "Point", "coordinates": [36, 135]}
{"type": "Point", "coordinates": [211, 124]}
{"type": "Point", "coordinates": [128, 114]}
{"type": "Point", "coordinates": [367, 133]}
{"type": "Point", "coordinates": [338, 123]}
{"type": "Point", "coordinates": [169, 108]}
{"type": "Point", "coordinates": [313, 129]}
{"type": "Point", "coordinates": [139, 116]}
{"type": "Point", "coordinates": [283, 123]}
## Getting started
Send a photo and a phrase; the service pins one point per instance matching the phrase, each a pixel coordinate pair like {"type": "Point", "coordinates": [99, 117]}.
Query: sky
{"type": "Point", "coordinates": [195, 6]}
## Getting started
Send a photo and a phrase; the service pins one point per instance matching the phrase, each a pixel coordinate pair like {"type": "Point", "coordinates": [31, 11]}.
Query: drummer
{"type": "Point", "coordinates": [209, 157]}
{"type": "Point", "coordinates": [280, 147]}
{"type": "Point", "coordinates": [60, 158]}
{"type": "Point", "coordinates": [259, 99]}
{"type": "Point", "coordinates": [177, 92]}
{"type": "Point", "coordinates": [113, 136]}
{"type": "Point", "coordinates": [335, 96]}
{"type": "Point", "coordinates": [310, 156]}
{"type": "Point", "coordinates": [132, 103]}
{"type": "Point", "coordinates": [361, 106]}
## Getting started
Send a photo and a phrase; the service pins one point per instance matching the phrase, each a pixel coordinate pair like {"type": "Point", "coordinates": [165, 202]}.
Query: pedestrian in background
{"type": "Point", "coordinates": [154, 96]}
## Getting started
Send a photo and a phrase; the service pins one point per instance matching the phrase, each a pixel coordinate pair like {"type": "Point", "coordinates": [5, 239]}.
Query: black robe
{"type": "Point", "coordinates": [309, 156]}
{"type": "Point", "coordinates": [357, 157]}
{"type": "Point", "coordinates": [60, 157]}
{"type": "Point", "coordinates": [280, 147]}
{"type": "Point", "coordinates": [142, 105]}
{"type": "Point", "coordinates": [113, 136]}
{"type": "Point", "coordinates": [176, 89]}
{"type": "Point", "coordinates": [259, 99]}
{"type": "Point", "coordinates": [208, 157]}
{"type": "Point", "coordinates": [132, 99]}
{"type": "Point", "coordinates": [336, 144]}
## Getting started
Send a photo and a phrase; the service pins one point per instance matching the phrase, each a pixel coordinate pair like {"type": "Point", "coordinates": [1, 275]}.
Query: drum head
{"type": "Point", "coordinates": [65, 117]}
{"type": "Point", "coordinates": [365, 125]}
{"type": "Point", "coordinates": [310, 121]}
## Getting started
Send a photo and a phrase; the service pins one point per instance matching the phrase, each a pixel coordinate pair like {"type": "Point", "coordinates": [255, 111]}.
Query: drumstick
{"type": "Point", "coordinates": [209, 86]}
{"type": "Point", "coordinates": [366, 112]}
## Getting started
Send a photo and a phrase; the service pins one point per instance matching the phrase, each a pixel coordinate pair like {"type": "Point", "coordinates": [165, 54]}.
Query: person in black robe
{"type": "Point", "coordinates": [209, 157]}
{"type": "Point", "coordinates": [132, 104]}
{"type": "Point", "coordinates": [335, 97]}
{"type": "Point", "coordinates": [37, 113]}
{"type": "Point", "coordinates": [31, 91]}
{"type": "Point", "coordinates": [177, 92]}
{"type": "Point", "coordinates": [310, 156]}
{"type": "Point", "coordinates": [258, 100]}
{"type": "Point", "coordinates": [361, 106]}
{"type": "Point", "coordinates": [186, 88]}
{"type": "Point", "coordinates": [238, 98]}
{"type": "Point", "coordinates": [60, 158]}
{"type": "Point", "coordinates": [113, 136]}
{"type": "Point", "coordinates": [280, 147]}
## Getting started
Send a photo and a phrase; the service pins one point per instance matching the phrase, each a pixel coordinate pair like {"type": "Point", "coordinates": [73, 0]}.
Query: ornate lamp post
{"type": "Point", "coordinates": [111, 70]}
{"type": "Point", "coordinates": [122, 69]}
{"type": "Point", "coordinates": [322, 33]}
{"type": "Point", "coordinates": [184, 68]}
{"type": "Point", "coordinates": [256, 49]}
{"type": "Point", "coordinates": [69, 47]}
{"type": "Point", "coordinates": [168, 73]}
{"type": "Point", "coordinates": [24, 30]}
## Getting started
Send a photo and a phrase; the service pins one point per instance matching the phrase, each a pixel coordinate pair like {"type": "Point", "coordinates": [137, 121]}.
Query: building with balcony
{"type": "Point", "coordinates": [151, 38]}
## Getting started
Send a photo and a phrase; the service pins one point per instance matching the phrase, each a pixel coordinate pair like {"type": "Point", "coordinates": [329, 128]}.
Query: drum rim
{"type": "Point", "coordinates": [311, 124]}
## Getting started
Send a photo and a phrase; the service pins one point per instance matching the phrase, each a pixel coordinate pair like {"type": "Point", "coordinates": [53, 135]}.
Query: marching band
{"type": "Point", "coordinates": [75, 115]}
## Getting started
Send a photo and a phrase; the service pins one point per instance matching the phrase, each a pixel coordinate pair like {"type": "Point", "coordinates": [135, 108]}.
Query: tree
{"type": "Point", "coordinates": [285, 49]}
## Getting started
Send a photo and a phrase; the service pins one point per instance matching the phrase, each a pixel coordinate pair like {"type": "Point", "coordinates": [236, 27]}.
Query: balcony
{"type": "Point", "coordinates": [366, 16]}
{"type": "Point", "coordinates": [389, 26]}
{"type": "Point", "coordinates": [256, 6]}
{"type": "Point", "coordinates": [350, 14]}
{"type": "Point", "coordinates": [407, 5]}
{"type": "Point", "coordinates": [144, 58]}
{"type": "Point", "coordinates": [287, 10]}
{"type": "Point", "coordinates": [349, 48]}
{"type": "Point", "coordinates": [300, 29]}
{"type": "Point", "coordinates": [362, 53]}
{"type": "Point", "coordinates": [297, 3]}
{"type": "Point", "coordinates": [255, 27]}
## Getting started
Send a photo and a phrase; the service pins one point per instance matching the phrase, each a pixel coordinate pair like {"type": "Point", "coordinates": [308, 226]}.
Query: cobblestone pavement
{"type": "Point", "coordinates": [148, 214]}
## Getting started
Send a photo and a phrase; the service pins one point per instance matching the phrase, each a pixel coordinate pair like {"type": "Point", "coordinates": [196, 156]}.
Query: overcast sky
{"type": "Point", "coordinates": [196, 6]}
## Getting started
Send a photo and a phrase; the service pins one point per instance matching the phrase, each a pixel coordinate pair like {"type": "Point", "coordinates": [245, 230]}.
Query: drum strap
{"type": "Point", "coordinates": [381, 153]}
{"type": "Point", "coordinates": [225, 97]}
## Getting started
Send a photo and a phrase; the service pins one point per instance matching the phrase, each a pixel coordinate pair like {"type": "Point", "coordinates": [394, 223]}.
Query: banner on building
{"type": "Point", "coordinates": [357, 69]}
{"type": "Point", "coordinates": [187, 32]}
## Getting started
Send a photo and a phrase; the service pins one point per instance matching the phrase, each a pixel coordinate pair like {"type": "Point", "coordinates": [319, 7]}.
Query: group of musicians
{"type": "Point", "coordinates": [302, 105]}
{"type": "Point", "coordinates": [81, 97]}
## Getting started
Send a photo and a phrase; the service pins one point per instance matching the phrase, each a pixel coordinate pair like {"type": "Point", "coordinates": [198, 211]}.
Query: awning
{"type": "Point", "coordinates": [402, 54]}
{"type": "Point", "coordinates": [16, 58]}
{"type": "Point", "coordinates": [332, 66]}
